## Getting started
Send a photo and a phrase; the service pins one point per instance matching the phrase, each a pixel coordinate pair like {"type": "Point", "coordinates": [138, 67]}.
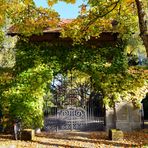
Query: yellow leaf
{"type": "Point", "coordinates": [27, 2]}
{"type": "Point", "coordinates": [52, 2]}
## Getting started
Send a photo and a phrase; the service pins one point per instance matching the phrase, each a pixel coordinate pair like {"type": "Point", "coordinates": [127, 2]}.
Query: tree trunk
{"type": "Point", "coordinates": [142, 24]}
{"type": "Point", "coordinates": [114, 116]}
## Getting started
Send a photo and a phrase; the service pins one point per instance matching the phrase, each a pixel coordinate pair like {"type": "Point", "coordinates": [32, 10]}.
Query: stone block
{"type": "Point", "coordinates": [27, 134]}
{"type": "Point", "coordinates": [122, 113]}
{"type": "Point", "coordinates": [115, 134]}
{"type": "Point", "coordinates": [124, 126]}
{"type": "Point", "coordinates": [136, 126]}
{"type": "Point", "coordinates": [127, 117]}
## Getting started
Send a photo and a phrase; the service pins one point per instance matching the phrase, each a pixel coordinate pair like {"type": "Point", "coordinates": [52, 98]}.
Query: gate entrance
{"type": "Point", "coordinates": [75, 107]}
{"type": "Point", "coordinates": [73, 118]}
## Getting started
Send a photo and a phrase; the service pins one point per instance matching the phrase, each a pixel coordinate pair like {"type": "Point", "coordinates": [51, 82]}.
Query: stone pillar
{"type": "Point", "coordinates": [128, 118]}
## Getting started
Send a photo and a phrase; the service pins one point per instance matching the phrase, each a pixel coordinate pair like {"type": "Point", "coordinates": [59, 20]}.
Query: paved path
{"type": "Point", "coordinates": [77, 140]}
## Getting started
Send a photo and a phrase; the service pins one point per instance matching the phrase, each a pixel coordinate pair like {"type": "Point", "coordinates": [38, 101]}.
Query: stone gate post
{"type": "Point", "coordinates": [127, 117]}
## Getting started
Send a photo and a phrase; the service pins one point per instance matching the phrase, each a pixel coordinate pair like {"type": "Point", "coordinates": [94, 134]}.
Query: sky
{"type": "Point", "coordinates": [65, 10]}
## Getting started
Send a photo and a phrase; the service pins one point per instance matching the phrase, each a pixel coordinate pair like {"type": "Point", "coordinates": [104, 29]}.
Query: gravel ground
{"type": "Point", "coordinates": [77, 140]}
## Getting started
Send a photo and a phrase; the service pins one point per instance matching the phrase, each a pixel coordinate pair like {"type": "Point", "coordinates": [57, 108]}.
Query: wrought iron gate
{"type": "Point", "coordinates": [73, 118]}
{"type": "Point", "coordinates": [76, 106]}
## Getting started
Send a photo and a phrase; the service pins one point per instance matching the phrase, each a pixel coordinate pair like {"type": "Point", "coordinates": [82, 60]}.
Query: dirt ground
{"type": "Point", "coordinates": [77, 140]}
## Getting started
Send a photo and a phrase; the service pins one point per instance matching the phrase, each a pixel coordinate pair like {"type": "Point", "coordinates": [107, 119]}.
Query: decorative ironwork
{"type": "Point", "coordinates": [50, 123]}
{"type": "Point", "coordinates": [75, 106]}
{"type": "Point", "coordinates": [72, 117]}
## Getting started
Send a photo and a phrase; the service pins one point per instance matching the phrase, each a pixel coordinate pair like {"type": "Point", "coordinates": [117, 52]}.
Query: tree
{"type": "Point", "coordinates": [2, 17]}
{"type": "Point", "coordinates": [38, 63]}
{"type": "Point", "coordinates": [143, 23]}
{"type": "Point", "coordinates": [25, 17]}
{"type": "Point", "coordinates": [119, 13]}
{"type": "Point", "coordinates": [23, 87]}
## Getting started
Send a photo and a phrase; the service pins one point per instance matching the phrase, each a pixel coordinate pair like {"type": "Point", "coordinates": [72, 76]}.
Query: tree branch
{"type": "Point", "coordinates": [100, 16]}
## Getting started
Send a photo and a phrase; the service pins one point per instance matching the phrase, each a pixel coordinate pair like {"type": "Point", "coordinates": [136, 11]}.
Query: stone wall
{"type": "Point", "coordinates": [127, 117]}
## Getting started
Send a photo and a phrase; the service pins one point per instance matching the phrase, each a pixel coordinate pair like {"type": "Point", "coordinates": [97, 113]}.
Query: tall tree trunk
{"type": "Point", "coordinates": [142, 24]}
{"type": "Point", "coordinates": [114, 116]}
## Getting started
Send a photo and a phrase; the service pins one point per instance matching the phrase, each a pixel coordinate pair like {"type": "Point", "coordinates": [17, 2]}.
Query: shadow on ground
{"type": "Point", "coordinates": [78, 140]}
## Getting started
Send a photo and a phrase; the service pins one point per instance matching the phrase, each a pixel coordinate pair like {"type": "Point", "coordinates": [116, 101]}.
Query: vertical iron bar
{"type": "Point", "coordinates": [71, 86]}
{"type": "Point", "coordinates": [57, 119]}
{"type": "Point", "coordinates": [72, 119]}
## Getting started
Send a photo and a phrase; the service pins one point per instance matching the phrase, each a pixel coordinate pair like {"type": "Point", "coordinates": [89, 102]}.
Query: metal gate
{"type": "Point", "coordinates": [75, 106]}
{"type": "Point", "coordinates": [73, 118]}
